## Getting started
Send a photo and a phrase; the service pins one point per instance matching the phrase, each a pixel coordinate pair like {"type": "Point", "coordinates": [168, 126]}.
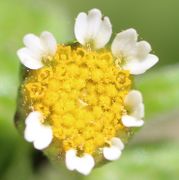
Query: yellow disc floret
{"type": "Point", "coordinates": [81, 94]}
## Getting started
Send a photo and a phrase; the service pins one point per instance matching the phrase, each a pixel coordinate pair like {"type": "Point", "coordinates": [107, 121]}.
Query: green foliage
{"type": "Point", "coordinates": [160, 90]}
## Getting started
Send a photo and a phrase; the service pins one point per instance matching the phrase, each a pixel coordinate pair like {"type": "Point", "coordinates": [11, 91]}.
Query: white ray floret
{"type": "Point", "coordinates": [83, 164]}
{"type": "Point", "coordinates": [114, 151]}
{"type": "Point", "coordinates": [135, 55]}
{"type": "Point", "coordinates": [135, 109]}
{"type": "Point", "coordinates": [41, 135]}
{"type": "Point", "coordinates": [92, 28]}
{"type": "Point", "coordinates": [36, 49]}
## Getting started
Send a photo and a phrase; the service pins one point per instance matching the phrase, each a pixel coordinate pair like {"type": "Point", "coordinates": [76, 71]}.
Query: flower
{"type": "Point", "coordinates": [79, 97]}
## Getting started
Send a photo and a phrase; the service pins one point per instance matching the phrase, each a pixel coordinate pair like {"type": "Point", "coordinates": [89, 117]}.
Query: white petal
{"type": "Point", "coordinates": [134, 104]}
{"type": "Point", "coordinates": [33, 43]}
{"type": "Point", "coordinates": [111, 153]}
{"type": "Point", "coordinates": [85, 164]}
{"type": "Point", "coordinates": [124, 43]}
{"type": "Point", "coordinates": [148, 62]}
{"type": "Point", "coordinates": [138, 111]}
{"type": "Point", "coordinates": [30, 134]}
{"type": "Point", "coordinates": [143, 48]}
{"type": "Point", "coordinates": [133, 99]}
{"type": "Point", "coordinates": [43, 137]}
{"type": "Point", "coordinates": [117, 143]}
{"type": "Point", "coordinates": [114, 151]}
{"type": "Point", "coordinates": [26, 58]}
{"type": "Point", "coordinates": [92, 28]}
{"type": "Point", "coordinates": [32, 126]}
{"type": "Point", "coordinates": [135, 107]}
{"type": "Point", "coordinates": [33, 118]}
{"type": "Point", "coordinates": [82, 164]}
{"type": "Point", "coordinates": [104, 34]}
{"type": "Point", "coordinates": [140, 66]}
{"type": "Point", "coordinates": [36, 48]}
{"type": "Point", "coordinates": [130, 121]}
{"type": "Point", "coordinates": [135, 55]}
{"type": "Point", "coordinates": [94, 21]}
{"type": "Point", "coordinates": [70, 159]}
{"type": "Point", "coordinates": [49, 42]}
{"type": "Point", "coordinates": [81, 27]}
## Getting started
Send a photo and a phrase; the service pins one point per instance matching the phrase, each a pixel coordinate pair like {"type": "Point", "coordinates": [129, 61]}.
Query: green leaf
{"type": "Point", "coordinates": [160, 90]}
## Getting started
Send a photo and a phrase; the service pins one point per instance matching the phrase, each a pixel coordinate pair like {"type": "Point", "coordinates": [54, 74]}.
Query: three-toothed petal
{"type": "Point", "coordinates": [33, 43]}
{"type": "Point", "coordinates": [32, 123]}
{"type": "Point", "coordinates": [133, 98]}
{"type": "Point", "coordinates": [124, 43]}
{"type": "Point", "coordinates": [114, 151]}
{"type": "Point", "coordinates": [70, 159]}
{"type": "Point", "coordinates": [135, 55]}
{"type": "Point", "coordinates": [93, 29]}
{"type": "Point", "coordinates": [104, 34]}
{"type": "Point", "coordinates": [136, 66]}
{"type": "Point", "coordinates": [48, 42]}
{"type": "Point", "coordinates": [44, 137]}
{"type": "Point", "coordinates": [29, 59]}
{"type": "Point", "coordinates": [130, 121]}
{"type": "Point", "coordinates": [135, 109]}
{"type": "Point", "coordinates": [94, 21]}
{"type": "Point", "coordinates": [37, 48]}
{"type": "Point", "coordinates": [36, 132]}
{"type": "Point", "coordinates": [81, 27]}
{"type": "Point", "coordinates": [83, 164]}
{"type": "Point", "coordinates": [143, 48]}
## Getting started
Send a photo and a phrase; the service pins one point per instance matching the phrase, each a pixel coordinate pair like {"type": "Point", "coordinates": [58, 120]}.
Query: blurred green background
{"type": "Point", "coordinates": [153, 152]}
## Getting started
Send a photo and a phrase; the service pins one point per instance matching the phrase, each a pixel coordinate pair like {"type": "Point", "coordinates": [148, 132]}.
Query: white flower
{"type": "Point", "coordinates": [135, 55]}
{"type": "Point", "coordinates": [36, 132]}
{"type": "Point", "coordinates": [93, 28]}
{"type": "Point", "coordinates": [37, 48]}
{"type": "Point", "coordinates": [135, 107]}
{"type": "Point", "coordinates": [83, 164]}
{"type": "Point", "coordinates": [114, 151]}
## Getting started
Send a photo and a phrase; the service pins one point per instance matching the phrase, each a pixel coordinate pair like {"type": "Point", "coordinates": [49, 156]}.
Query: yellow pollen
{"type": "Point", "coordinates": [81, 95]}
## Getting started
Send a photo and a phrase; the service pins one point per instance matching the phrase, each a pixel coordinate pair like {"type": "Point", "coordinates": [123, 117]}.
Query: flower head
{"type": "Point", "coordinates": [78, 97]}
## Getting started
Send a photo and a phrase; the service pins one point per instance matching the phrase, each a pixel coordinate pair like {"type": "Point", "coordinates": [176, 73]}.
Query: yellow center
{"type": "Point", "coordinates": [81, 94]}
